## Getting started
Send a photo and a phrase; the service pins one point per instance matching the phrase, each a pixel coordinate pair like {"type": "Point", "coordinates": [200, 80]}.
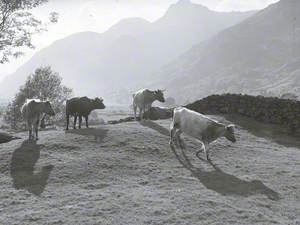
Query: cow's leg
{"type": "Point", "coordinates": [134, 109]}
{"type": "Point", "coordinates": [203, 148]}
{"type": "Point", "coordinates": [68, 118]}
{"type": "Point", "coordinates": [36, 128]}
{"type": "Point", "coordinates": [29, 130]}
{"type": "Point", "coordinates": [146, 110]}
{"type": "Point", "coordinates": [87, 121]}
{"type": "Point", "coordinates": [207, 153]}
{"type": "Point", "coordinates": [75, 119]}
{"type": "Point", "coordinates": [179, 140]}
{"type": "Point", "coordinates": [80, 120]}
{"type": "Point", "coordinates": [172, 132]}
{"type": "Point", "coordinates": [141, 113]}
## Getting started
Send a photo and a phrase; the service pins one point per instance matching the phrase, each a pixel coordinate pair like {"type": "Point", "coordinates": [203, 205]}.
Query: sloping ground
{"type": "Point", "coordinates": [127, 174]}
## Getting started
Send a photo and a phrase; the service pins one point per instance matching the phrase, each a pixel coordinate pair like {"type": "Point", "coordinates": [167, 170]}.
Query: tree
{"type": "Point", "coordinates": [44, 84]}
{"type": "Point", "coordinates": [17, 25]}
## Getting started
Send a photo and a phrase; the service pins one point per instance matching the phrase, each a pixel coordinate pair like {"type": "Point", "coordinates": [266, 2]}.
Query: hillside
{"type": "Point", "coordinates": [127, 174]}
{"type": "Point", "coordinates": [128, 53]}
{"type": "Point", "coordinates": [243, 58]}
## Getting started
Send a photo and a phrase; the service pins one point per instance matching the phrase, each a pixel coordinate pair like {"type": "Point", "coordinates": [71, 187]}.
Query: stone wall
{"type": "Point", "coordinates": [264, 109]}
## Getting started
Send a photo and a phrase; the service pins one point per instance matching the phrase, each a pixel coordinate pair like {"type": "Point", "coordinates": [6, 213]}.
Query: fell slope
{"type": "Point", "coordinates": [127, 54]}
{"type": "Point", "coordinates": [127, 174]}
{"type": "Point", "coordinates": [258, 55]}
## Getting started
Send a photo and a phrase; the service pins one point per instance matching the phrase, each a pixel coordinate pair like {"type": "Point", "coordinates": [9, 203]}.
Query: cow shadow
{"type": "Point", "coordinates": [224, 183]}
{"type": "Point", "coordinates": [22, 168]}
{"type": "Point", "coordinates": [271, 132]}
{"type": "Point", "coordinates": [160, 129]}
{"type": "Point", "coordinates": [98, 133]}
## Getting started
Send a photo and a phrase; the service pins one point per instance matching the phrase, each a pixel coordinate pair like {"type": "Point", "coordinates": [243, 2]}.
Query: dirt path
{"type": "Point", "coordinates": [127, 174]}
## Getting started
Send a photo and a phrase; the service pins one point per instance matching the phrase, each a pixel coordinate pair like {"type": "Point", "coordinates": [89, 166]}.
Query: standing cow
{"type": "Point", "coordinates": [144, 98]}
{"type": "Point", "coordinates": [82, 107]}
{"type": "Point", "coordinates": [32, 111]}
{"type": "Point", "coordinates": [200, 127]}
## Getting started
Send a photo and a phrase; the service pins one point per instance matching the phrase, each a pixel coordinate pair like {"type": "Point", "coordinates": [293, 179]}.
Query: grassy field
{"type": "Point", "coordinates": [127, 174]}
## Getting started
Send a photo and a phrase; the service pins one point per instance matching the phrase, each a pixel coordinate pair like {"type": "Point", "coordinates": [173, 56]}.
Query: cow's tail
{"type": "Point", "coordinates": [67, 107]}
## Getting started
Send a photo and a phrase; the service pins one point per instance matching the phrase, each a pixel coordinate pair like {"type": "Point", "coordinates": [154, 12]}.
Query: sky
{"type": "Point", "coordinates": [99, 15]}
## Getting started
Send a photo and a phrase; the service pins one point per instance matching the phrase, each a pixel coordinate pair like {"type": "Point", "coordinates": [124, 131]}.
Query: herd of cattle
{"type": "Point", "coordinates": [202, 128]}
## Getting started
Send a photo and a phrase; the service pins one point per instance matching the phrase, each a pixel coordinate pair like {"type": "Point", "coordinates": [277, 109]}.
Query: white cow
{"type": "Point", "coordinates": [144, 98]}
{"type": "Point", "coordinates": [32, 111]}
{"type": "Point", "coordinates": [200, 127]}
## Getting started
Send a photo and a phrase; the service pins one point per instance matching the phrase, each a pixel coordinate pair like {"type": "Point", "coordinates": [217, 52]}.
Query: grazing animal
{"type": "Point", "coordinates": [82, 107]}
{"type": "Point", "coordinates": [32, 111]}
{"type": "Point", "coordinates": [144, 98]}
{"type": "Point", "coordinates": [4, 137]}
{"type": "Point", "coordinates": [200, 127]}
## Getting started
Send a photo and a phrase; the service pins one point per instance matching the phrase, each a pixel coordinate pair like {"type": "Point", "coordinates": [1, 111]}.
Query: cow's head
{"type": "Point", "coordinates": [98, 103]}
{"type": "Point", "coordinates": [48, 109]}
{"type": "Point", "coordinates": [229, 133]}
{"type": "Point", "coordinates": [159, 95]}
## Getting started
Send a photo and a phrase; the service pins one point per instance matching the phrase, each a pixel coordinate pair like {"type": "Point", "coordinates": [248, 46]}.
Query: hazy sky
{"type": "Point", "coordinates": [99, 15]}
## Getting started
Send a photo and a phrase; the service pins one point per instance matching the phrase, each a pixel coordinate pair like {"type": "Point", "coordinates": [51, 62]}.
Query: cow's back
{"type": "Point", "coordinates": [190, 122]}
{"type": "Point", "coordinates": [78, 106]}
{"type": "Point", "coordinates": [140, 97]}
{"type": "Point", "coordinates": [28, 108]}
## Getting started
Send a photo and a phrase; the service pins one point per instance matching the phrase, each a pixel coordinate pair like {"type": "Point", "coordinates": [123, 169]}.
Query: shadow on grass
{"type": "Point", "coordinates": [160, 129]}
{"type": "Point", "coordinates": [271, 132]}
{"type": "Point", "coordinates": [224, 183]}
{"type": "Point", "coordinates": [98, 133]}
{"type": "Point", "coordinates": [22, 169]}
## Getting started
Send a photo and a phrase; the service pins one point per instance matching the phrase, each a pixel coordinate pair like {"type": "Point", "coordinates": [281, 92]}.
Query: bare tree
{"type": "Point", "coordinates": [17, 25]}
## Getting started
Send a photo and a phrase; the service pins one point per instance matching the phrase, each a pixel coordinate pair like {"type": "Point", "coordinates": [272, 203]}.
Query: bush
{"type": "Point", "coordinates": [43, 84]}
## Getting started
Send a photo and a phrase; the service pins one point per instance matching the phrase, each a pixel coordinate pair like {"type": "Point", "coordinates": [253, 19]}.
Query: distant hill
{"type": "Point", "coordinates": [127, 54]}
{"type": "Point", "coordinates": [260, 55]}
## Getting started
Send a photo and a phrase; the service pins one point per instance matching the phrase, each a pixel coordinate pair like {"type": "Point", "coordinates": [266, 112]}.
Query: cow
{"type": "Point", "coordinates": [32, 111]}
{"type": "Point", "coordinates": [202, 128]}
{"type": "Point", "coordinates": [143, 100]}
{"type": "Point", "coordinates": [82, 107]}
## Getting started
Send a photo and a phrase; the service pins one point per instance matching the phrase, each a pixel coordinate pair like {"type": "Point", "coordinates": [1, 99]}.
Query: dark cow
{"type": "Point", "coordinates": [82, 107]}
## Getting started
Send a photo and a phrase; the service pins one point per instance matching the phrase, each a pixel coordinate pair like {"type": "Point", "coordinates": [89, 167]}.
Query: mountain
{"type": "Point", "coordinates": [127, 54]}
{"type": "Point", "coordinates": [260, 55]}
